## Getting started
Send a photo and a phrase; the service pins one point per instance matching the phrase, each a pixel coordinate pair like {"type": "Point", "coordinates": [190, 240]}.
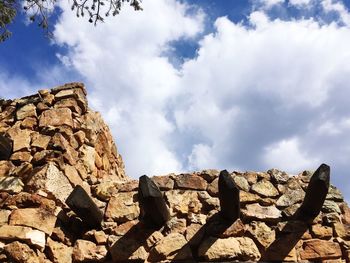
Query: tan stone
{"type": "Point", "coordinates": [72, 175]}
{"type": "Point", "coordinates": [194, 234]}
{"type": "Point", "coordinates": [21, 157]}
{"type": "Point", "coordinates": [20, 138]}
{"type": "Point", "coordinates": [70, 155]}
{"type": "Point", "coordinates": [4, 216]}
{"type": "Point", "coordinates": [261, 233]}
{"type": "Point", "coordinates": [77, 94]}
{"type": "Point", "coordinates": [26, 234]}
{"type": "Point", "coordinates": [58, 252]}
{"type": "Point", "coordinates": [263, 213]}
{"type": "Point", "coordinates": [23, 171]}
{"type": "Point", "coordinates": [100, 237]}
{"type": "Point", "coordinates": [11, 184]}
{"type": "Point", "coordinates": [51, 180]}
{"type": "Point", "coordinates": [290, 197]}
{"type": "Point", "coordinates": [163, 182]}
{"type": "Point", "coordinates": [40, 141]}
{"type": "Point", "coordinates": [28, 110]}
{"type": "Point", "coordinates": [247, 197]}
{"type": "Point", "coordinates": [70, 104]}
{"type": "Point", "coordinates": [183, 202]}
{"type": "Point", "coordinates": [345, 213]}
{"type": "Point", "coordinates": [237, 228]}
{"type": "Point", "coordinates": [80, 137]}
{"type": "Point", "coordinates": [128, 186]}
{"type": "Point", "coordinates": [56, 117]}
{"type": "Point", "coordinates": [190, 181]}
{"type": "Point", "coordinates": [123, 228]}
{"type": "Point", "coordinates": [208, 201]}
{"type": "Point", "coordinates": [39, 218]}
{"type": "Point", "coordinates": [105, 190]}
{"type": "Point", "coordinates": [88, 158]}
{"type": "Point", "coordinates": [122, 207]}
{"type": "Point", "coordinates": [323, 232]}
{"type": "Point", "coordinates": [316, 249]}
{"type": "Point", "coordinates": [88, 251]}
{"type": "Point", "coordinates": [21, 253]}
{"type": "Point", "coordinates": [241, 182]}
{"type": "Point", "coordinates": [341, 230]}
{"type": "Point", "coordinates": [232, 248]}
{"type": "Point", "coordinates": [251, 177]}
{"type": "Point", "coordinates": [153, 239]}
{"type": "Point", "coordinates": [176, 225]}
{"type": "Point", "coordinates": [29, 123]}
{"type": "Point", "coordinates": [5, 168]}
{"type": "Point", "coordinates": [172, 247]}
{"type": "Point", "coordinates": [265, 188]}
{"type": "Point", "coordinates": [209, 174]}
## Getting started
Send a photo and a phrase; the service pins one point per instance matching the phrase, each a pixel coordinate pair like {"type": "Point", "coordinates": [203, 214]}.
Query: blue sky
{"type": "Point", "coordinates": [190, 85]}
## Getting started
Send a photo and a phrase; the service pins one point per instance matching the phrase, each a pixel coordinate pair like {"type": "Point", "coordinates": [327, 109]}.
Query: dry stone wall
{"type": "Point", "coordinates": [58, 143]}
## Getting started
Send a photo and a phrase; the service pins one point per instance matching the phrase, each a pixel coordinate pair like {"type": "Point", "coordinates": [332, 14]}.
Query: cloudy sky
{"type": "Point", "coordinates": [189, 85]}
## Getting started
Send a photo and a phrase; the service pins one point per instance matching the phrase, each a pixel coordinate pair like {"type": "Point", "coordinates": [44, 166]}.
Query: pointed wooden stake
{"type": "Point", "coordinates": [229, 197]}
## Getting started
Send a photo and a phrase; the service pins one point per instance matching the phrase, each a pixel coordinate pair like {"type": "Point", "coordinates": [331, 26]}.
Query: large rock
{"type": "Point", "coordinates": [190, 181]}
{"type": "Point", "coordinates": [241, 183]}
{"type": "Point", "coordinates": [11, 184]}
{"type": "Point", "coordinates": [261, 233]}
{"type": "Point", "coordinates": [26, 234]}
{"type": "Point", "coordinates": [330, 207]}
{"type": "Point", "coordinates": [183, 202]}
{"type": "Point", "coordinates": [122, 207]}
{"type": "Point", "coordinates": [21, 138]}
{"type": "Point", "coordinates": [87, 251]}
{"type": "Point", "coordinates": [58, 252]}
{"type": "Point", "coordinates": [291, 197]}
{"type": "Point", "coordinates": [232, 248]}
{"type": "Point", "coordinates": [28, 110]}
{"type": "Point", "coordinates": [278, 176]}
{"type": "Point", "coordinates": [39, 218]}
{"type": "Point", "coordinates": [265, 188]}
{"type": "Point", "coordinates": [56, 118]}
{"type": "Point", "coordinates": [316, 249]}
{"type": "Point", "coordinates": [51, 180]}
{"type": "Point", "coordinates": [263, 213]}
{"type": "Point", "coordinates": [21, 253]}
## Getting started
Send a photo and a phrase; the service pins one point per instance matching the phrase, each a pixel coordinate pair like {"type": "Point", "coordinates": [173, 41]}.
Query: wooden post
{"type": "Point", "coordinates": [229, 197]}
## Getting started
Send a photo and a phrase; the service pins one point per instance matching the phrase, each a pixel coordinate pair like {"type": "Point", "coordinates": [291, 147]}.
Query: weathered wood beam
{"type": "Point", "coordinates": [5, 147]}
{"type": "Point", "coordinates": [85, 208]}
{"type": "Point", "coordinates": [229, 197]}
{"type": "Point", "coordinates": [316, 193]}
{"type": "Point", "coordinates": [154, 210]}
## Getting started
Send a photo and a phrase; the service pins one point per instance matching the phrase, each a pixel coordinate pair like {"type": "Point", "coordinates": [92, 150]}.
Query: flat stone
{"type": "Point", "coordinates": [330, 207]}
{"type": "Point", "coordinates": [26, 234]}
{"type": "Point", "coordinates": [208, 201]}
{"type": "Point", "coordinates": [163, 182]}
{"type": "Point", "coordinates": [194, 234]}
{"type": "Point", "coordinates": [21, 138]}
{"type": "Point", "coordinates": [322, 232]}
{"type": "Point", "coordinates": [77, 94]}
{"type": "Point", "coordinates": [265, 188]}
{"type": "Point", "coordinates": [176, 225]}
{"type": "Point", "coordinates": [122, 207]}
{"type": "Point", "coordinates": [232, 248]}
{"type": "Point", "coordinates": [173, 246]}
{"type": "Point", "coordinates": [28, 110]}
{"type": "Point", "coordinates": [189, 181]}
{"type": "Point", "coordinates": [122, 229]}
{"type": "Point", "coordinates": [334, 194]}
{"type": "Point", "coordinates": [278, 176]}
{"type": "Point", "coordinates": [263, 213]}
{"type": "Point", "coordinates": [21, 157]}
{"type": "Point", "coordinates": [316, 249]}
{"type": "Point", "coordinates": [29, 123]}
{"type": "Point", "coordinates": [59, 252]}
{"type": "Point", "coordinates": [39, 218]}
{"type": "Point", "coordinates": [341, 230]}
{"type": "Point", "coordinates": [153, 239]}
{"type": "Point", "coordinates": [88, 251]}
{"type": "Point", "coordinates": [11, 184]}
{"type": "Point", "coordinates": [261, 233]}
{"type": "Point", "coordinates": [241, 183]}
{"type": "Point", "coordinates": [72, 174]}
{"type": "Point", "coordinates": [290, 210]}
{"type": "Point", "coordinates": [21, 253]}
{"type": "Point", "coordinates": [56, 118]}
{"type": "Point", "coordinates": [23, 170]}
{"type": "Point", "coordinates": [247, 197]}
{"type": "Point", "coordinates": [70, 104]}
{"type": "Point", "coordinates": [183, 202]}
{"type": "Point", "coordinates": [290, 197]}
{"type": "Point", "coordinates": [209, 174]}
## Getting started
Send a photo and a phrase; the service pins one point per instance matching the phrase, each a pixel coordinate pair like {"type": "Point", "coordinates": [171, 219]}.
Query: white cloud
{"type": "Point", "coordinates": [300, 3]}
{"type": "Point", "coordinates": [253, 94]}
{"type": "Point", "coordinates": [270, 3]}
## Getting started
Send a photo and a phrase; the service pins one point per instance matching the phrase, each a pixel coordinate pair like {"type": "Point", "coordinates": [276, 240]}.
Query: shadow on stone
{"type": "Point", "coordinates": [6, 145]}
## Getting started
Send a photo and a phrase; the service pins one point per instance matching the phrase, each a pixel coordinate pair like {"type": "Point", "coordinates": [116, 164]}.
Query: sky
{"type": "Point", "coordinates": [191, 85]}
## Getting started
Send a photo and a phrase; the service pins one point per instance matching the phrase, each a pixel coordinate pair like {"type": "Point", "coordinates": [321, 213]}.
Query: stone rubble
{"type": "Point", "coordinates": [59, 143]}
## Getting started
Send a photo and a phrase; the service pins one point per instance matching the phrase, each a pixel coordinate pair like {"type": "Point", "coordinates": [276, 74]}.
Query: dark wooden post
{"type": "Point", "coordinates": [316, 193]}
{"type": "Point", "coordinates": [82, 204]}
{"type": "Point", "coordinates": [5, 147]}
{"type": "Point", "coordinates": [229, 197]}
{"type": "Point", "coordinates": [154, 211]}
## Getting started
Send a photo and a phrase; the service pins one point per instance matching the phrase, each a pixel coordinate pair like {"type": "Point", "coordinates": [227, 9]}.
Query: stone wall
{"type": "Point", "coordinates": [59, 143]}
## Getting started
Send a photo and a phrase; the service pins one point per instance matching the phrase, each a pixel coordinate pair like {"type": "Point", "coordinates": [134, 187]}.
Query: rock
{"type": "Point", "coordinates": [21, 157]}
{"type": "Point", "coordinates": [213, 187]}
{"type": "Point", "coordinates": [265, 188]}
{"type": "Point", "coordinates": [21, 138]}
{"type": "Point", "coordinates": [28, 110]}
{"type": "Point", "coordinates": [183, 202]}
{"type": "Point", "coordinates": [342, 231]}
{"type": "Point", "coordinates": [251, 177]}
{"type": "Point", "coordinates": [278, 177]}
{"type": "Point", "coordinates": [26, 234]}
{"type": "Point", "coordinates": [11, 184]}
{"type": "Point", "coordinates": [292, 226]}
{"type": "Point", "coordinates": [72, 174]}
{"type": "Point", "coordinates": [194, 234]}
{"type": "Point", "coordinates": [234, 230]}
{"type": "Point", "coordinates": [241, 183]}
{"type": "Point", "coordinates": [209, 175]}
{"type": "Point", "coordinates": [330, 207]}
{"type": "Point", "coordinates": [247, 197]}
{"type": "Point", "coordinates": [189, 181]}
{"type": "Point", "coordinates": [88, 157]}
{"type": "Point", "coordinates": [56, 118]}
{"type": "Point", "coordinates": [122, 207]}
{"type": "Point", "coordinates": [334, 194]}
{"type": "Point", "coordinates": [208, 201]}
{"type": "Point", "coordinates": [172, 247]}
{"type": "Point", "coordinates": [322, 232]}
{"type": "Point", "coordinates": [232, 248]}
{"type": "Point", "coordinates": [77, 94]}
{"type": "Point", "coordinates": [39, 218]}
{"type": "Point", "coordinates": [128, 186]}
{"type": "Point", "coordinates": [5, 168]}
{"type": "Point", "coordinates": [163, 182]}
{"type": "Point", "coordinates": [290, 210]}
{"type": "Point", "coordinates": [29, 123]}
{"type": "Point", "coordinates": [263, 213]}
{"type": "Point", "coordinates": [105, 190]}
{"type": "Point", "coordinates": [88, 251]}
{"type": "Point", "coordinates": [290, 197]}
{"type": "Point", "coordinates": [261, 233]}
{"type": "Point", "coordinates": [4, 216]}
{"type": "Point", "coordinates": [176, 225]}
{"type": "Point", "coordinates": [153, 239]}
{"type": "Point", "coordinates": [51, 180]}
{"type": "Point", "coordinates": [345, 213]}
{"type": "Point", "coordinates": [58, 252]}
{"type": "Point", "coordinates": [21, 253]}
{"type": "Point", "coordinates": [127, 249]}
{"type": "Point", "coordinates": [22, 171]}
{"type": "Point", "coordinates": [316, 249]}
{"type": "Point", "coordinates": [70, 104]}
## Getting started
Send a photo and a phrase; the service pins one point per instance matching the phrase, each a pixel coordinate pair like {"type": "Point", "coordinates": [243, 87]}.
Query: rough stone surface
{"type": "Point", "coordinates": [189, 181]}
{"type": "Point", "coordinates": [265, 188]}
{"type": "Point", "coordinates": [183, 202]}
{"type": "Point", "coordinates": [26, 234]}
{"type": "Point", "coordinates": [56, 118]}
{"type": "Point", "coordinates": [261, 233]}
{"type": "Point", "coordinates": [316, 249]}
{"type": "Point", "coordinates": [11, 184]}
{"type": "Point", "coordinates": [85, 251]}
{"type": "Point", "coordinates": [58, 252]}
{"type": "Point", "coordinates": [291, 197]}
{"type": "Point", "coordinates": [263, 213]}
{"type": "Point", "coordinates": [21, 253]}
{"type": "Point", "coordinates": [122, 207]}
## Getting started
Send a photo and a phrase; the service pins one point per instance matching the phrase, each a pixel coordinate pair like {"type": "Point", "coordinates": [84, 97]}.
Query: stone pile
{"type": "Point", "coordinates": [59, 144]}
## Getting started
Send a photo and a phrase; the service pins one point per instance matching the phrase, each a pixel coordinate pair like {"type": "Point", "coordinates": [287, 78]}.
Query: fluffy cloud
{"type": "Point", "coordinates": [266, 93]}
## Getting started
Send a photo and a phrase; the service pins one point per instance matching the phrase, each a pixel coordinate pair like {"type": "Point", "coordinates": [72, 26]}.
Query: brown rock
{"type": "Point", "coordinates": [11, 184]}
{"type": "Point", "coordinates": [27, 200]}
{"type": "Point", "coordinates": [21, 138]}
{"type": "Point", "coordinates": [232, 248]}
{"type": "Point", "coordinates": [4, 216]}
{"type": "Point", "coordinates": [183, 202]}
{"type": "Point", "coordinates": [77, 94]}
{"type": "Point", "coordinates": [189, 181]}
{"type": "Point", "coordinates": [173, 246]}
{"type": "Point", "coordinates": [38, 218]}
{"type": "Point", "coordinates": [341, 230]}
{"type": "Point", "coordinates": [23, 171]}
{"type": "Point", "coordinates": [105, 190]}
{"type": "Point", "coordinates": [322, 232]}
{"type": "Point", "coordinates": [26, 234]}
{"type": "Point", "coordinates": [247, 197]}
{"type": "Point", "coordinates": [263, 213]}
{"type": "Point", "coordinates": [127, 249]}
{"type": "Point", "coordinates": [28, 110]}
{"type": "Point", "coordinates": [265, 188]}
{"type": "Point", "coordinates": [70, 155]}
{"type": "Point", "coordinates": [316, 249]}
{"type": "Point", "coordinates": [58, 252]}
{"type": "Point", "coordinates": [123, 228]}
{"type": "Point", "coordinates": [213, 188]}
{"type": "Point", "coordinates": [88, 251]}
{"type": "Point", "coordinates": [153, 239]}
{"type": "Point", "coordinates": [163, 182]}
{"type": "Point", "coordinates": [176, 225]}
{"type": "Point", "coordinates": [56, 118]}
{"type": "Point", "coordinates": [251, 177]}
{"type": "Point", "coordinates": [209, 174]}
{"type": "Point", "coordinates": [261, 233]}
{"type": "Point", "coordinates": [241, 182]}
{"type": "Point", "coordinates": [290, 197]}
{"type": "Point", "coordinates": [128, 186]}
{"type": "Point", "coordinates": [21, 157]}
{"type": "Point", "coordinates": [72, 174]}
{"type": "Point", "coordinates": [40, 141]}
{"type": "Point", "coordinates": [21, 253]}
{"type": "Point", "coordinates": [80, 137]}
{"type": "Point", "coordinates": [5, 168]}
{"type": "Point", "coordinates": [122, 207]}
{"type": "Point", "coordinates": [29, 123]}
{"type": "Point", "coordinates": [88, 158]}
{"type": "Point", "coordinates": [100, 237]}
{"type": "Point", "coordinates": [234, 230]}
{"type": "Point", "coordinates": [345, 213]}
{"type": "Point", "coordinates": [70, 104]}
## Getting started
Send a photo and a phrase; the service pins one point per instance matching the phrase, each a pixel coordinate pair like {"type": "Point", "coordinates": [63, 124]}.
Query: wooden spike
{"type": "Point", "coordinates": [229, 197]}
{"type": "Point", "coordinates": [5, 147]}
{"type": "Point", "coordinates": [316, 193]}
{"type": "Point", "coordinates": [82, 204]}
{"type": "Point", "coordinates": [154, 210]}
